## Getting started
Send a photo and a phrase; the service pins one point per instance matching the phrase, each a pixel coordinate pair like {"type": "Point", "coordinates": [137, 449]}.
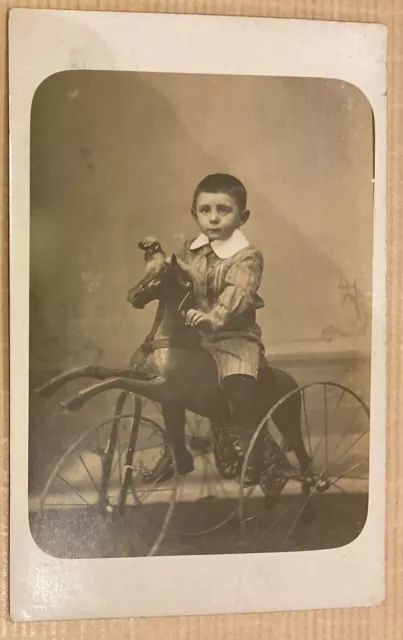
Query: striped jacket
{"type": "Point", "coordinates": [227, 277]}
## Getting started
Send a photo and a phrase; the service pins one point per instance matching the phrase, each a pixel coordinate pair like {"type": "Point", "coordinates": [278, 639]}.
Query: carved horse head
{"type": "Point", "coordinates": [165, 280]}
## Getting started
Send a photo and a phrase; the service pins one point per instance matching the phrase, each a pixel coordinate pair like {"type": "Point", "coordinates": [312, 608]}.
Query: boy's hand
{"type": "Point", "coordinates": [196, 318]}
{"type": "Point", "coordinates": [150, 245]}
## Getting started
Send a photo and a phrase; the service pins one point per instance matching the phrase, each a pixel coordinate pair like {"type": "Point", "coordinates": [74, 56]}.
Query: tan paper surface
{"type": "Point", "coordinates": [380, 622]}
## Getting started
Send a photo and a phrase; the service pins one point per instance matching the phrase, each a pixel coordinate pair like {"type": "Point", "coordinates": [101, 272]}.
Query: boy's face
{"type": "Point", "coordinates": [218, 215]}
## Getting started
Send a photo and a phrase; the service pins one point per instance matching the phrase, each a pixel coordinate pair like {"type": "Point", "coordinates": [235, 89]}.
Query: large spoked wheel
{"type": "Point", "coordinates": [90, 505]}
{"type": "Point", "coordinates": [207, 498]}
{"type": "Point", "coordinates": [322, 504]}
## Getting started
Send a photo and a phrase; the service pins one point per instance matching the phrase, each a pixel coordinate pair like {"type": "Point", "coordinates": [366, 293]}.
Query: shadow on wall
{"type": "Point", "coordinates": [116, 156]}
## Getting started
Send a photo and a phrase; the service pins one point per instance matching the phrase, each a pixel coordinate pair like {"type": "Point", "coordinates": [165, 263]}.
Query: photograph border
{"type": "Point", "coordinates": [43, 587]}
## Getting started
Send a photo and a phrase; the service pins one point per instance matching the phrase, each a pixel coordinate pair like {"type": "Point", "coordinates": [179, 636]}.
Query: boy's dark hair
{"type": "Point", "coordinates": [222, 183]}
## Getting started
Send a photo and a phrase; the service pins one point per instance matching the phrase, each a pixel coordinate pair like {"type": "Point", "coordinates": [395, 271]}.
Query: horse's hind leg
{"type": "Point", "coordinates": [274, 385]}
{"type": "Point", "coordinates": [287, 419]}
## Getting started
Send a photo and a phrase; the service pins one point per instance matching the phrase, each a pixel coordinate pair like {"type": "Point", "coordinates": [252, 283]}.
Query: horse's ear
{"type": "Point", "coordinates": [174, 261]}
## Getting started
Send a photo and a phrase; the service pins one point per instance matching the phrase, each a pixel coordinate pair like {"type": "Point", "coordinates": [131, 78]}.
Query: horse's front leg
{"type": "Point", "coordinates": [175, 422]}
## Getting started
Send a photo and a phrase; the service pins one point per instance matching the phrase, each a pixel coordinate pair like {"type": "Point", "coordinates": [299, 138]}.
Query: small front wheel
{"type": "Point", "coordinates": [89, 506]}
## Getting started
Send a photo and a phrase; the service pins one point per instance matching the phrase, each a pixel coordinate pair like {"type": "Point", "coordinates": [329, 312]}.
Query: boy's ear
{"type": "Point", "coordinates": [193, 212]}
{"type": "Point", "coordinates": [245, 215]}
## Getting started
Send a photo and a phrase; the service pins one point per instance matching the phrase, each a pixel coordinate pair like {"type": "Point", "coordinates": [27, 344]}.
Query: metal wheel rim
{"type": "Point", "coordinates": [70, 450]}
{"type": "Point", "coordinates": [268, 416]}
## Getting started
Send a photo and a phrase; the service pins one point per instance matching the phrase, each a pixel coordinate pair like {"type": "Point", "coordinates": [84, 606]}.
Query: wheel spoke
{"type": "Point", "coordinates": [143, 449]}
{"type": "Point", "coordinates": [88, 472]}
{"type": "Point", "coordinates": [144, 496]}
{"type": "Point", "coordinates": [317, 447]}
{"type": "Point", "coordinates": [299, 514]}
{"type": "Point", "coordinates": [301, 511]}
{"type": "Point", "coordinates": [358, 438]}
{"type": "Point", "coordinates": [149, 489]}
{"type": "Point", "coordinates": [308, 431]}
{"type": "Point", "coordinates": [347, 430]}
{"type": "Point", "coordinates": [322, 438]}
{"type": "Point", "coordinates": [75, 491]}
{"type": "Point", "coordinates": [51, 505]}
{"type": "Point", "coordinates": [152, 463]}
{"type": "Point", "coordinates": [337, 405]}
{"type": "Point", "coordinates": [99, 439]}
{"type": "Point", "coordinates": [275, 521]}
{"type": "Point", "coordinates": [345, 475]}
{"type": "Point", "coordinates": [155, 405]}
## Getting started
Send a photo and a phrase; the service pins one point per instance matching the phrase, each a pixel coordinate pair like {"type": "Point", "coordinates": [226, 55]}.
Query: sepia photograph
{"type": "Point", "coordinates": [200, 313]}
{"type": "Point", "coordinates": [201, 369]}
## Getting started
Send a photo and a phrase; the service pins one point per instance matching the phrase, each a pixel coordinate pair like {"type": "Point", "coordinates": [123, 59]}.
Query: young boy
{"type": "Point", "coordinates": [227, 272]}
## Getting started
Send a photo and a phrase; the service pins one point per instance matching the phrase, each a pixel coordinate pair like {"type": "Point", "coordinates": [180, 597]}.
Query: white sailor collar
{"type": "Point", "coordinates": [223, 248]}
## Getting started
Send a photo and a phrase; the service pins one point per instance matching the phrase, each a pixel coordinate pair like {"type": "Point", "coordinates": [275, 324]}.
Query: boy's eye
{"type": "Point", "coordinates": [221, 208]}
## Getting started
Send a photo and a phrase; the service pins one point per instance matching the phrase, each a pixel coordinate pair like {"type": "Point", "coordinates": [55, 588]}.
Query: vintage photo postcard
{"type": "Point", "coordinates": [197, 282]}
